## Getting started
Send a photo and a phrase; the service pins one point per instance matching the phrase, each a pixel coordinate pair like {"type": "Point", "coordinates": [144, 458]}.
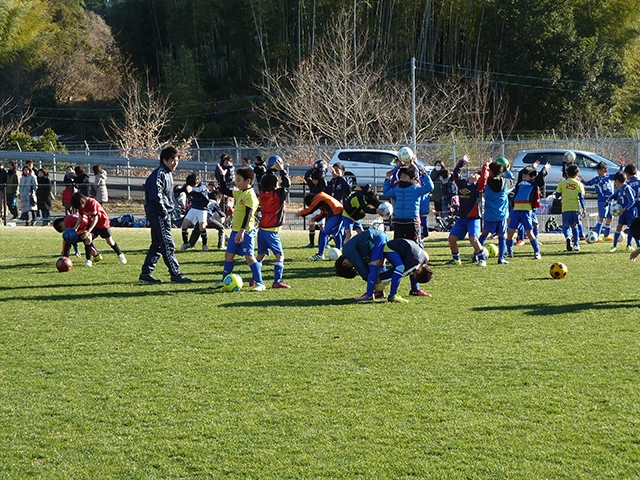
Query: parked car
{"type": "Point", "coordinates": [367, 166]}
{"type": "Point", "coordinates": [587, 162]}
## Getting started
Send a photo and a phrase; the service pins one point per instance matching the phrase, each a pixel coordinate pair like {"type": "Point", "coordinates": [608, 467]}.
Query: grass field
{"type": "Point", "coordinates": [503, 373]}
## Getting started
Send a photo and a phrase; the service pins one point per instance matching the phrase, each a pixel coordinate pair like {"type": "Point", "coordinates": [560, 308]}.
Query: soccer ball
{"type": "Point", "coordinates": [558, 270]}
{"type": "Point", "coordinates": [504, 162]}
{"type": "Point", "coordinates": [333, 254]}
{"type": "Point", "coordinates": [385, 209]}
{"type": "Point", "coordinates": [64, 264]}
{"type": "Point", "coordinates": [271, 161]}
{"type": "Point", "coordinates": [615, 208]}
{"type": "Point", "coordinates": [70, 235]}
{"type": "Point", "coordinates": [570, 156]}
{"type": "Point", "coordinates": [492, 249]}
{"type": "Point", "coordinates": [232, 282]}
{"type": "Point", "coordinates": [405, 155]}
{"type": "Point", "coordinates": [591, 237]}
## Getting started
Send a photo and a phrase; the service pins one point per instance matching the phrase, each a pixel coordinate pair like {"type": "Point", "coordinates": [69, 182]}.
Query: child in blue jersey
{"type": "Point", "coordinates": [469, 221]}
{"type": "Point", "coordinates": [243, 232]}
{"type": "Point", "coordinates": [625, 196]}
{"type": "Point", "coordinates": [197, 214]}
{"type": "Point", "coordinates": [572, 192]}
{"type": "Point", "coordinates": [603, 184]}
{"type": "Point", "coordinates": [631, 172]}
{"type": "Point", "coordinates": [364, 255]}
{"type": "Point", "coordinates": [526, 195]}
{"type": "Point", "coordinates": [496, 206]}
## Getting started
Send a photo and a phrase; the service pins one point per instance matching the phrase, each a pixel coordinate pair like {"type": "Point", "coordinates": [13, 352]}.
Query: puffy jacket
{"type": "Point", "coordinates": [407, 195]}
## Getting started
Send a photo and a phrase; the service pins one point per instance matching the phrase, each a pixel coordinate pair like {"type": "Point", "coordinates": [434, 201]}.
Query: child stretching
{"type": "Point", "coordinates": [99, 225]}
{"type": "Point", "coordinates": [243, 231]}
{"type": "Point", "coordinates": [414, 263]}
{"type": "Point", "coordinates": [603, 184]}
{"type": "Point", "coordinates": [272, 206]}
{"type": "Point", "coordinates": [625, 197]}
{"type": "Point", "coordinates": [496, 207]}
{"type": "Point", "coordinates": [572, 192]}
{"type": "Point", "coordinates": [62, 223]}
{"type": "Point", "coordinates": [356, 206]}
{"type": "Point", "coordinates": [197, 214]}
{"type": "Point", "coordinates": [330, 208]}
{"type": "Point", "coordinates": [526, 195]}
{"type": "Point", "coordinates": [469, 221]}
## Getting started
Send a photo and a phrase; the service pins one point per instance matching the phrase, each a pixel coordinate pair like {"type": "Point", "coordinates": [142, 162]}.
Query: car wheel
{"type": "Point", "coordinates": [351, 178]}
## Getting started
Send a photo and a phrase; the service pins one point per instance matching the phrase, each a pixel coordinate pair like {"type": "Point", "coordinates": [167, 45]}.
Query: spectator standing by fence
{"type": "Point", "coordinates": [100, 185]}
{"type": "Point", "coordinates": [44, 196]}
{"type": "Point", "coordinates": [28, 200]}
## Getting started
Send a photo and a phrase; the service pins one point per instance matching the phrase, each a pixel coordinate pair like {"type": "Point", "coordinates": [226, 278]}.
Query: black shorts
{"type": "Point", "coordinates": [408, 228]}
{"type": "Point", "coordinates": [101, 232]}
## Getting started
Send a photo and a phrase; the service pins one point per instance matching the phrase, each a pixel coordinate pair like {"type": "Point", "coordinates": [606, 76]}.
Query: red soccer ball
{"type": "Point", "coordinates": [64, 264]}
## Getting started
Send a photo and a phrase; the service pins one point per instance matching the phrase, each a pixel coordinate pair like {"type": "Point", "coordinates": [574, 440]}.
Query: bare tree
{"type": "Point", "coordinates": [329, 98]}
{"type": "Point", "coordinates": [146, 118]}
{"type": "Point", "coordinates": [12, 118]}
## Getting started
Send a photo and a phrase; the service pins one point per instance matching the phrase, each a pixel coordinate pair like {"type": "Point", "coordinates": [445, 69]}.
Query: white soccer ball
{"type": "Point", "coordinates": [405, 155]}
{"type": "Point", "coordinates": [385, 209]}
{"type": "Point", "coordinates": [569, 156]}
{"type": "Point", "coordinates": [591, 237]}
{"type": "Point", "coordinates": [334, 253]}
{"type": "Point", "coordinates": [615, 208]}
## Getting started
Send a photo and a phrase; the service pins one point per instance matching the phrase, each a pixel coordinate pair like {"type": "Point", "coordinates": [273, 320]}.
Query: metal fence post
{"type": "Point", "coordinates": [637, 148]}
{"type": "Point", "coordinates": [453, 148]}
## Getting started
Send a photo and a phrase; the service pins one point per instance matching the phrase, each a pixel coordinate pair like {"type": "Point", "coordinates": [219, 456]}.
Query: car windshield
{"type": "Point", "coordinates": [600, 158]}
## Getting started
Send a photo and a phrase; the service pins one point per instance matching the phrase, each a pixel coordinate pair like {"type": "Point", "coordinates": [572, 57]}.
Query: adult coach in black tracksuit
{"type": "Point", "coordinates": [158, 206]}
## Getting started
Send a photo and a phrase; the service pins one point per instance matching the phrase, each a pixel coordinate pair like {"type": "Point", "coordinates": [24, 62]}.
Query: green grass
{"type": "Point", "coordinates": [503, 373]}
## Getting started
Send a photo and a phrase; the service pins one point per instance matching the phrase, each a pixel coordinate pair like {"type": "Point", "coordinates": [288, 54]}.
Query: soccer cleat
{"type": "Point", "coordinates": [613, 249]}
{"type": "Point", "coordinates": [502, 261]}
{"type": "Point", "coordinates": [576, 248]}
{"type": "Point", "coordinates": [397, 299]}
{"type": "Point", "coordinates": [380, 294]}
{"type": "Point", "coordinates": [608, 239]}
{"type": "Point", "coordinates": [520, 243]}
{"type": "Point", "coordinates": [252, 283]}
{"type": "Point", "coordinates": [148, 278]}
{"type": "Point", "coordinates": [180, 279]}
{"type": "Point", "coordinates": [569, 246]}
{"type": "Point", "coordinates": [537, 256]}
{"type": "Point", "coordinates": [365, 298]}
{"type": "Point", "coordinates": [218, 284]}
{"type": "Point", "coordinates": [453, 261]}
{"type": "Point", "coordinates": [184, 246]}
{"type": "Point", "coordinates": [280, 285]}
{"type": "Point", "coordinates": [481, 263]}
{"type": "Point", "coordinates": [205, 248]}
{"type": "Point", "coordinates": [88, 263]}
{"type": "Point", "coordinates": [122, 258]}
{"type": "Point", "coordinates": [630, 248]}
{"type": "Point", "coordinates": [259, 287]}
{"type": "Point", "coordinates": [97, 258]}
{"type": "Point", "coordinates": [309, 245]}
{"type": "Point", "coordinates": [78, 254]}
{"type": "Point", "coordinates": [510, 254]}
{"type": "Point", "coordinates": [419, 293]}
{"type": "Point", "coordinates": [316, 257]}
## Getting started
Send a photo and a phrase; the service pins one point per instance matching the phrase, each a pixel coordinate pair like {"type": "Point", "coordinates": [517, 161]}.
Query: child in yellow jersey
{"type": "Point", "coordinates": [572, 192]}
{"type": "Point", "coordinates": [243, 232]}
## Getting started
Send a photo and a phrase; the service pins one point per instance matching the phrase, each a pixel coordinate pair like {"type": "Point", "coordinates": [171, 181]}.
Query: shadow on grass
{"type": "Point", "coordinates": [545, 309]}
{"type": "Point", "coordinates": [309, 302]}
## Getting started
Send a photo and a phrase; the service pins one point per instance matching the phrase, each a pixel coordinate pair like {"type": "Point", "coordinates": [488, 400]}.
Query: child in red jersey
{"type": "Point", "coordinates": [272, 204]}
{"type": "Point", "coordinates": [62, 223]}
{"type": "Point", "coordinates": [98, 226]}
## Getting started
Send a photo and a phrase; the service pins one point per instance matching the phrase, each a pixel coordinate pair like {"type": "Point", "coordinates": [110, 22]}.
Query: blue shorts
{"type": "Point", "coordinates": [627, 217]}
{"type": "Point", "coordinates": [570, 219]}
{"type": "Point", "coordinates": [269, 240]}
{"type": "Point", "coordinates": [351, 224]}
{"type": "Point", "coordinates": [464, 226]}
{"type": "Point", "coordinates": [496, 228]}
{"type": "Point", "coordinates": [523, 217]}
{"type": "Point", "coordinates": [603, 209]}
{"type": "Point", "coordinates": [246, 247]}
{"type": "Point", "coordinates": [333, 225]}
